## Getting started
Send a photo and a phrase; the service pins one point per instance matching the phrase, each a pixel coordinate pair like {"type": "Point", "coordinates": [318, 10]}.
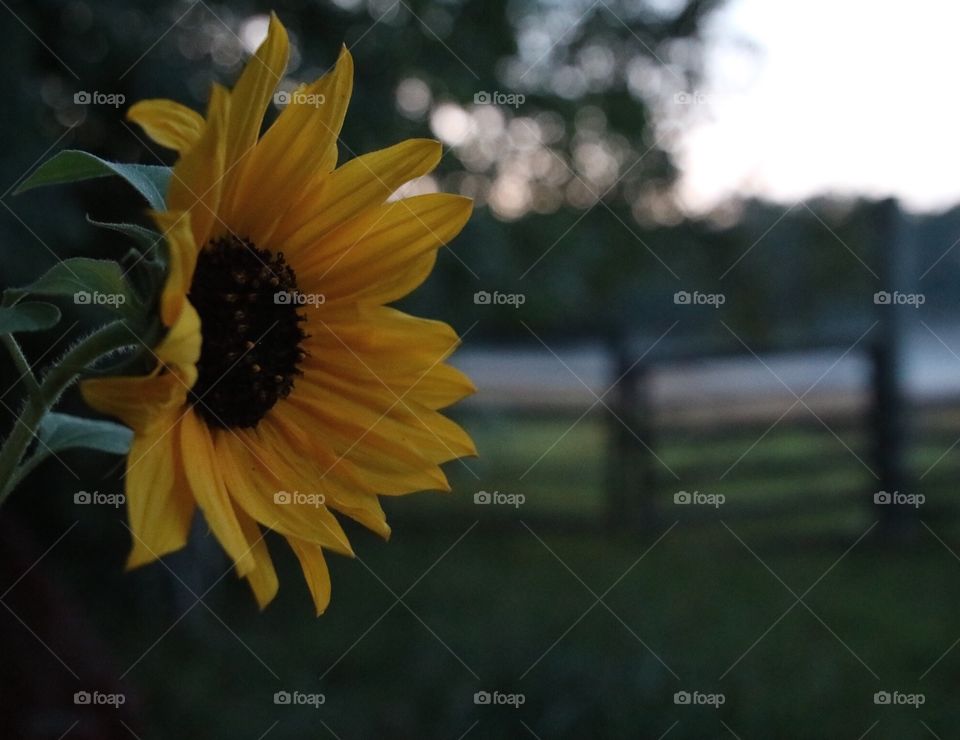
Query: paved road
{"type": "Point", "coordinates": [734, 385]}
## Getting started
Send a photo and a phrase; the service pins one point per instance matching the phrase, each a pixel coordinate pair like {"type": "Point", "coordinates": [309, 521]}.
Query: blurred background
{"type": "Point", "coordinates": [708, 297]}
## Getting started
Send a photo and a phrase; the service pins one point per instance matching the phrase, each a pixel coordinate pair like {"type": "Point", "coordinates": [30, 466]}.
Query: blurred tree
{"type": "Point", "coordinates": [559, 118]}
{"type": "Point", "coordinates": [550, 111]}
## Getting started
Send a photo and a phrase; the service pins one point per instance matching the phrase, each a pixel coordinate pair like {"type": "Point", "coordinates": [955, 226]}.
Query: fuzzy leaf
{"type": "Point", "coordinates": [28, 316]}
{"type": "Point", "coordinates": [71, 165]}
{"type": "Point", "coordinates": [146, 239]}
{"type": "Point", "coordinates": [63, 432]}
{"type": "Point", "coordinates": [89, 282]}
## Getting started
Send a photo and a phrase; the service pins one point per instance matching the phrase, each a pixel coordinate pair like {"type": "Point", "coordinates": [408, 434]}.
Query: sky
{"type": "Point", "coordinates": [847, 97]}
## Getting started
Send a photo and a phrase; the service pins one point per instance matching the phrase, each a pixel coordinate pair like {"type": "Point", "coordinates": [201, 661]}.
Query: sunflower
{"type": "Point", "coordinates": [286, 389]}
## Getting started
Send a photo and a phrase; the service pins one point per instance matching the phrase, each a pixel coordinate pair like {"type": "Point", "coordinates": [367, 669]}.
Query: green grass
{"type": "Point", "coordinates": [498, 610]}
{"type": "Point", "coordinates": [562, 467]}
{"type": "Point", "coordinates": [500, 599]}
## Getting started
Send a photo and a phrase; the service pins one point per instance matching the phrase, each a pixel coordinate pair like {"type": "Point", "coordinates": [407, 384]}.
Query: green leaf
{"type": "Point", "coordinates": [145, 266]}
{"type": "Point", "coordinates": [89, 282]}
{"type": "Point", "coordinates": [147, 239]}
{"type": "Point", "coordinates": [28, 316]}
{"type": "Point", "coordinates": [63, 432]}
{"type": "Point", "coordinates": [70, 165]}
{"type": "Point", "coordinates": [147, 276]}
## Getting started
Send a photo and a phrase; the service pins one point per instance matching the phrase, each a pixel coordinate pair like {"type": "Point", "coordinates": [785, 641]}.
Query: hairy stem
{"type": "Point", "coordinates": [103, 341]}
{"type": "Point", "coordinates": [20, 363]}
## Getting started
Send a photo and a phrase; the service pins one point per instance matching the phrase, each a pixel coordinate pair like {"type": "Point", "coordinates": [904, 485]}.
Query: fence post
{"type": "Point", "coordinates": [890, 422]}
{"type": "Point", "coordinates": [632, 477]}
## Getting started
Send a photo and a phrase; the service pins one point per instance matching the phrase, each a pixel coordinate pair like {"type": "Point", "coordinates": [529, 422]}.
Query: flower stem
{"type": "Point", "coordinates": [20, 362]}
{"type": "Point", "coordinates": [103, 341]}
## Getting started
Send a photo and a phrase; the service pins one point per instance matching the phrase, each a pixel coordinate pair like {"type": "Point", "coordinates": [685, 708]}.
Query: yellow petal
{"type": "Point", "coordinates": [139, 402]}
{"type": "Point", "coordinates": [314, 571]}
{"type": "Point", "coordinates": [379, 473]}
{"type": "Point", "coordinates": [441, 386]}
{"type": "Point", "coordinates": [361, 183]}
{"type": "Point", "coordinates": [382, 254]}
{"type": "Point", "coordinates": [391, 449]}
{"type": "Point", "coordinates": [206, 481]}
{"type": "Point", "coordinates": [249, 100]}
{"type": "Point", "coordinates": [254, 475]}
{"type": "Point", "coordinates": [170, 124]}
{"type": "Point", "coordinates": [182, 260]}
{"type": "Point", "coordinates": [263, 578]}
{"type": "Point", "coordinates": [364, 508]}
{"type": "Point", "coordinates": [301, 144]}
{"type": "Point", "coordinates": [326, 464]}
{"type": "Point", "coordinates": [377, 339]}
{"type": "Point", "coordinates": [422, 431]}
{"type": "Point", "coordinates": [380, 346]}
{"type": "Point", "coordinates": [349, 423]}
{"type": "Point", "coordinates": [159, 505]}
{"type": "Point", "coordinates": [391, 477]}
{"type": "Point", "coordinates": [180, 349]}
{"type": "Point", "coordinates": [343, 491]}
{"type": "Point", "coordinates": [196, 183]}
{"type": "Point", "coordinates": [288, 446]}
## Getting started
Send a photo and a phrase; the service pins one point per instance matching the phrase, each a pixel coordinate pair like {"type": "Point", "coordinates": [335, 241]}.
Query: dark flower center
{"type": "Point", "coordinates": [251, 331]}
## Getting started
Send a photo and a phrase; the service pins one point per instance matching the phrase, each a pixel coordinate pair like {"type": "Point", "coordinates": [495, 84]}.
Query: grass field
{"type": "Point", "coordinates": [502, 612]}
{"type": "Point", "coordinates": [500, 599]}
